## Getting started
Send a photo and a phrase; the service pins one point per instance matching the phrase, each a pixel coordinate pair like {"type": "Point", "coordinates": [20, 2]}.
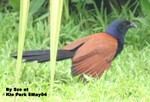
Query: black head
{"type": "Point", "coordinates": [118, 29]}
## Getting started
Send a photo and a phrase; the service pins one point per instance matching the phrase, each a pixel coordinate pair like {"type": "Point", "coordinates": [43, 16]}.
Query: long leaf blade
{"type": "Point", "coordinates": [55, 20]}
{"type": "Point", "coordinates": [24, 8]}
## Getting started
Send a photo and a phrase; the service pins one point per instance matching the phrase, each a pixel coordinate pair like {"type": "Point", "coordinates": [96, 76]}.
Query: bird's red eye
{"type": "Point", "coordinates": [124, 24]}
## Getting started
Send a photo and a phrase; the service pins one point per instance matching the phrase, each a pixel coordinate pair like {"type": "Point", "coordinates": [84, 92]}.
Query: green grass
{"type": "Point", "coordinates": [128, 79]}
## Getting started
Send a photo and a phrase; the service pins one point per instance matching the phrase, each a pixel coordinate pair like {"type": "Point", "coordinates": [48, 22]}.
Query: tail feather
{"type": "Point", "coordinates": [33, 53]}
{"type": "Point", "coordinates": [44, 55]}
{"type": "Point", "coordinates": [41, 58]}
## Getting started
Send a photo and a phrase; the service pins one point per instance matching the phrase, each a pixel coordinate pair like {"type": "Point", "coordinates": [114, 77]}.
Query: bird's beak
{"type": "Point", "coordinates": [133, 25]}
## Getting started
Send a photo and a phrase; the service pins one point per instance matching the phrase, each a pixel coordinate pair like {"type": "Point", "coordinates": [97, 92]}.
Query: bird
{"type": "Point", "coordinates": [91, 55]}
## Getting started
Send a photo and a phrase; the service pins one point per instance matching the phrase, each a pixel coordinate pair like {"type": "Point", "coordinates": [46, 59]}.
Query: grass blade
{"type": "Point", "coordinates": [55, 20]}
{"type": "Point", "coordinates": [66, 9]}
{"type": "Point", "coordinates": [145, 6]}
{"type": "Point", "coordinates": [34, 7]}
{"type": "Point", "coordinates": [24, 8]}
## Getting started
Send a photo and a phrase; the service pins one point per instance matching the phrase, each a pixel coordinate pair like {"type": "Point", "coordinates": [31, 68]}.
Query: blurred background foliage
{"type": "Point", "coordinates": [146, 8]}
{"type": "Point", "coordinates": [94, 15]}
{"type": "Point", "coordinates": [38, 8]}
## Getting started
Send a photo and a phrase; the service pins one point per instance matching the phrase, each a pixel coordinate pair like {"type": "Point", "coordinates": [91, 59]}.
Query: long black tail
{"type": "Point", "coordinates": [44, 55]}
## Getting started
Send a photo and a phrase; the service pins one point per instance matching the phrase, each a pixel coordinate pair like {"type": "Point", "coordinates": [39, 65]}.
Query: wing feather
{"type": "Point", "coordinates": [95, 56]}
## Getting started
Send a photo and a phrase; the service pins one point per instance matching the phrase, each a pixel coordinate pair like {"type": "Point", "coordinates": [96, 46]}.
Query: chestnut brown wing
{"type": "Point", "coordinates": [95, 56]}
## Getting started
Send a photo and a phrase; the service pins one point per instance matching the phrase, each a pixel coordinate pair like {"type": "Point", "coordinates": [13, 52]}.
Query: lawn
{"type": "Point", "coordinates": [127, 80]}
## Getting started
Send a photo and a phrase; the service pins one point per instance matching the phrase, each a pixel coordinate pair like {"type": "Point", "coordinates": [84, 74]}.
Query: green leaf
{"type": "Point", "coordinates": [35, 5]}
{"type": "Point", "coordinates": [146, 6]}
{"type": "Point", "coordinates": [55, 19]}
{"type": "Point", "coordinates": [145, 21]}
{"type": "Point", "coordinates": [66, 9]}
{"type": "Point", "coordinates": [15, 4]}
{"type": "Point", "coordinates": [42, 17]}
{"type": "Point", "coordinates": [24, 8]}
